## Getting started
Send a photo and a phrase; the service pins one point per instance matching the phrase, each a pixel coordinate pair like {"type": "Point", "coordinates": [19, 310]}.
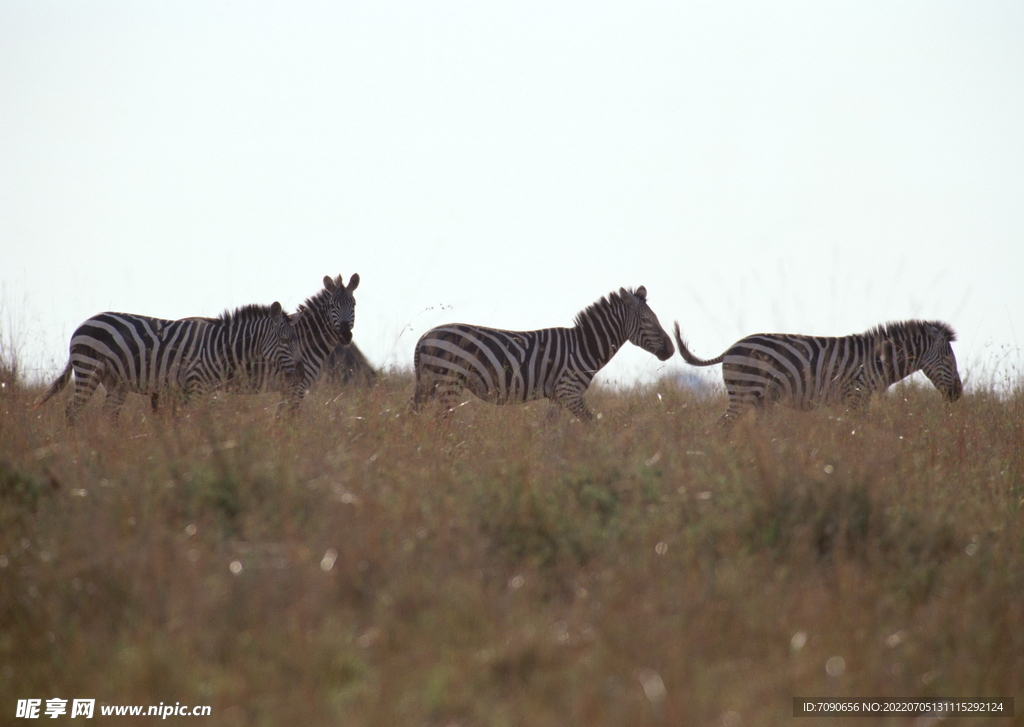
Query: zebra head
{"type": "Point", "coordinates": [340, 305]}
{"type": "Point", "coordinates": [937, 360]}
{"type": "Point", "coordinates": [642, 326]}
{"type": "Point", "coordinates": [281, 345]}
{"type": "Point", "coordinates": [920, 346]}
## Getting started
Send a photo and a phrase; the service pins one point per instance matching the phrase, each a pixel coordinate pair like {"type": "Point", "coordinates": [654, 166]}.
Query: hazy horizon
{"type": "Point", "coordinates": [811, 168]}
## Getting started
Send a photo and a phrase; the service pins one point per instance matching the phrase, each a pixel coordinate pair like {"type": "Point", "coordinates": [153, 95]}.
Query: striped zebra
{"type": "Point", "coordinates": [129, 353]}
{"type": "Point", "coordinates": [512, 367]}
{"type": "Point", "coordinates": [321, 323]}
{"type": "Point", "coordinates": [808, 371]}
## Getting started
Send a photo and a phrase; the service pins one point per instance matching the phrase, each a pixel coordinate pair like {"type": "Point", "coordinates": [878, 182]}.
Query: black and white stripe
{"type": "Point", "coordinates": [807, 371]}
{"type": "Point", "coordinates": [321, 323]}
{"type": "Point", "coordinates": [248, 349]}
{"type": "Point", "coordinates": [511, 367]}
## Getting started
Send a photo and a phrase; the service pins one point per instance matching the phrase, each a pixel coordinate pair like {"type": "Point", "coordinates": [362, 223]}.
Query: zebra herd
{"type": "Point", "coordinates": [257, 348]}
{"type": "Point", "coordinates": [251, 349]}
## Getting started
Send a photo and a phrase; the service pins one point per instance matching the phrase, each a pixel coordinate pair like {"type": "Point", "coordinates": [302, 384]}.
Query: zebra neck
{"type": "Point", "coordinates": [316, 337]}
{"type": "Point", "coordinates": [908, 360]}
{"type": "Point", "coordinates": [598, 339]}
{"type": "Point", "coordinates": [903, 361]}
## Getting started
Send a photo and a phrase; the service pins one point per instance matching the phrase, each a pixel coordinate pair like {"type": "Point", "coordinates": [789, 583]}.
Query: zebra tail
{"type": "Point", "coordinates": [56, 386]}
{"type": "Point", "coordinates": [689, 357]}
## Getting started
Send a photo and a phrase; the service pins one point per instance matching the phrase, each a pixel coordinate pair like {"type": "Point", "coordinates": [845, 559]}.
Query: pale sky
{"type": "Point", "coordinates": [810, 167]}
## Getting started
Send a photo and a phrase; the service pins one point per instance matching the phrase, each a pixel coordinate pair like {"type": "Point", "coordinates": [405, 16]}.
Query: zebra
{"type": "Point", "coordinates": [347, 365]}
{"type": "Point", "coordinates": [321, 323]}
{"type": "Point", "coordinates": [512, 367]}
{"type": "Point", "coordinates": [804, 372]}
{"type": "Point", "coordinates": [129, 353]}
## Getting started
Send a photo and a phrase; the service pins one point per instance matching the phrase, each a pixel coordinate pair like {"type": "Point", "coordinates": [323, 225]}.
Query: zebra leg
{"type": "Point", "coordinates": [738, 405]}
{"type": "Point", "coordinates": [163, 399]}
{"type": "Point", "coordinates": [115, 399]}
{"type": "Point", "coordinates": [193, 384]}
{"type": "Point", "coordinates": [289, 406]}
{"type": "Point", "coordinates": [174, 396]}
{"type": "Point", "coordinates": [555, 412]}
{"type": "Point", "coordinates": [86, 383]}
{"type": "Point", "coordinates": [579, 408]}
{"type": "Point", "coordinates": [856, 398]}
{"type": "Point", "coordinates": [448, 397]}
{"type": "Point", "coordinates": [424, 392]}
{"type": "Point", "coordinates": [419, 397]}
{"type": "Point", "coordinates": [573, 401]}
{"type": "Point", "coordinates": [447, 393]}
{"type": "Point", "coordinates": [569, 393]}
{"type": "Point", "coordinates": [729, 418]}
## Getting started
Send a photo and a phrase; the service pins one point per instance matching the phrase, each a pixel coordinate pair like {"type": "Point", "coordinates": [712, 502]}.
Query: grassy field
{"type": "Point", "coordinates": [358, 565]}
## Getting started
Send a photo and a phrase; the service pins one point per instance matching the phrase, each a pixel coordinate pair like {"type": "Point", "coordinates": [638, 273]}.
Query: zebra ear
{"type": "Point", "coordinates": [329, 283]}
{"type": "Point", "coordinates": [275, 309]}
{"type": "Point", "coordinates": [641, 293]}
{"type": "Point", "coordinates": [353, 282]}
{"type": "Point", "coordinates": [629, 298]}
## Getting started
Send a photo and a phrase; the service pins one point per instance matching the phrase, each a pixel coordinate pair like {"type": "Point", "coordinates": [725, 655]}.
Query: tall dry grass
{"type": "Point", "coordinates": [359, 565]}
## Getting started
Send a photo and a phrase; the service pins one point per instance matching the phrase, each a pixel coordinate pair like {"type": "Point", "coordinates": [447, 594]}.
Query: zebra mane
{"type": "Point", "coordinates": [601, 305]}
{"type": "Point", "coordinates": [251, 312]}
{"type": "Point", "coordinates": [897, 329]}
{"type": "Point", "coordinates": [314, 302]}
